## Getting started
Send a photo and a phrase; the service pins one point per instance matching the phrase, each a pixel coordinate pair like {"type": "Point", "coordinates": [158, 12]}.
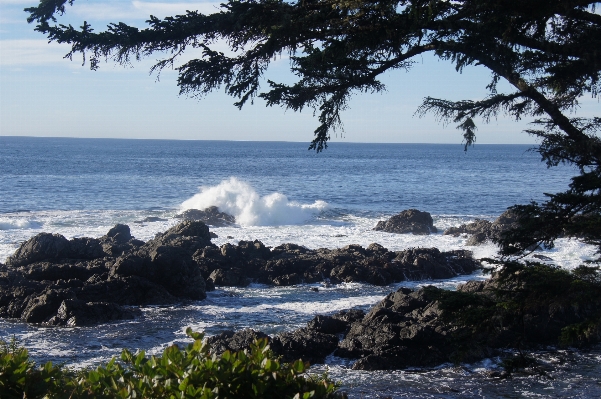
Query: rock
{"type": "Point", "coordinates": [85, 248]}
{"type": "Point", "coordinates": [120, 233]}
{"type": "Point", "coordinates": [430, 263]}
{"type": "Point", "coordinates": [188, 235]}
{"type": "Point", "coordinates": [474, 227]}
{"type": "Point", "coordinates": [119, 241]}
{"type": "Point", "coordinates": [327, 325]}
{"type": "Point", "coordinates": [168, 266]}
{"type": "Point", "coordinates": [44, 246]}
{"type": "Point", "coordinates": [408, 221]}
{"type": "Point", "coordinates": [234, 342]}
{"type": "Point", "coordinates": [73, 312]}
{"type": "Point", "coordinates": [130, 291]}
{"type": "Point", "coordinates": [287, 280]}
{"type": "Point", "coordinates": [211, 216]}
{"type": "Point", "coordinates": [229, 278]}
{"type": "Point", "coordinates": [481, 231]}
{"type": "Point", "coordinates": [42, 307]}
{"type": "Point", "coordinates": [41, 271]}
{"type": "Point", "coordinates": [306, 344]}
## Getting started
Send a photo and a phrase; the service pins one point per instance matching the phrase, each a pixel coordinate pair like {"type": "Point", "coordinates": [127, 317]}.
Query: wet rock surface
{"type": "Point", "coordinates": [211, 216]}
{"type": "Point", "coordinates": [84, 281]}
{"type": "Point", "coordinates": [429, 326]}
{"type": "Point", "coordinates": [182, 264]}
{"type": "Point", "coordinates": [481, 231]}
{"type": "Point", "coordinates": [290, 264]}
{"type": "Point", "coordinates": [408, 221]}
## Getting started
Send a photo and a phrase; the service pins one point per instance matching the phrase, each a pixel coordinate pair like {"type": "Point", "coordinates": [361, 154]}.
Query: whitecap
{"type": "Point", "coordinates": [241, 200]}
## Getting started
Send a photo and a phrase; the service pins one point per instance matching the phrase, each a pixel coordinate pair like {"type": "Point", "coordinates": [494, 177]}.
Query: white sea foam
{"type": "Point", "coordinates": [20, 223]}
{"type": "Point", "coordinates": [240, 199]}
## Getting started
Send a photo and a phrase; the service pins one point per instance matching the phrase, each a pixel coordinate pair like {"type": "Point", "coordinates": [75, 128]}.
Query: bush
{"type": "Point", "coordinates": [189, 373]}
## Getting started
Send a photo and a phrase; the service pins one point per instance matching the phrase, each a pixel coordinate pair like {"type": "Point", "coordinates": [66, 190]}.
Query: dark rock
{"type": "Point", "coordinates": [131, 291]}
{"type": "Point", "coordinates": [430, 263]}
{"type": "Point", "coordinates": [40, 271]}
{"type": "Point", "coordinates": [304, 343]}
{"type": "Point", "coordinates": [169, 266]}
{"type": "Point", "coordinates": [119, 241]}
{"type": "Point", "coordinates": [430, 326]}
{"type": "Point", "coordinates": [408, 221]}
{"type": "Point", "coordinates": [229, 278]}
{"type": "Point", "coordinates": [44, 246]}
{"type": "Point", "coordinates": [188, 235]}
{"type": "Point", "coordinates": [73, 312]}
{"type": "Point", "coordinates": [85, 248]}
{"type": "Point", "coordinates": [400, 358]}
{"type": "Point", "coordinates": [350, 316]}
{"type": "Point", "coordinates": [481, 231]}
{"type": "Point", "coordinates": [327, 325]}
{"type": "Point", "coordinates": [120, 233]}
{"type": "Point", "coordinates": [234, 342]}
{"type": "Point", "coordinates": [287, 280]}
{"type": "Point", "coordinates": [474, 227]}
{"type": "Point", "coordinates": [211, 216]}
{"type": "Point", "coordinates": [42, 307]}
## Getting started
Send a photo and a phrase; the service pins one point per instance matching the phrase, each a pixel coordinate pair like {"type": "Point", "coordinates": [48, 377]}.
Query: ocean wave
{"type": "Point", "coordinates": [19, 224]}
{"type": "Point", "coordinates": [240, 199]}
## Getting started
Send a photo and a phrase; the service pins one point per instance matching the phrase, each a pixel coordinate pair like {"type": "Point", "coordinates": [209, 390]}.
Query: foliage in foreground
{"type": "Point", "coordinates": [189, 373]}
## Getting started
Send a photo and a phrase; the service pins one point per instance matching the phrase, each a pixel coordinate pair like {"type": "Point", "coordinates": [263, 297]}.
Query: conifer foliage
{"type": "Point", "coordinates": [548, 51]}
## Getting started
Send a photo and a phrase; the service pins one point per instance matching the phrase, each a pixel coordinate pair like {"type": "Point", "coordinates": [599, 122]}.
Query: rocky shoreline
{"type": "Point", "coordinates": [84, 281]}
{"type": "Point", "coordinates": [53, 281]}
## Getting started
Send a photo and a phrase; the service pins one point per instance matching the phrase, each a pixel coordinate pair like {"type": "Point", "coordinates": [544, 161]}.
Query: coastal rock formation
{"type": "Point", "coordinates": [519, 307]}
{"type": "Point", "coordinates": [408, 221]}
{"type": "Point", "coordinates": [85, 281]}
{"type": "Point", "coordinates": [291, 264]}
{"type": "Point", "coordinates": [55, 281]}
{"type": "Point", "coordinates": [311, 343]}
{"type": "Point", "coordinates": [481, 231]}
{"type": "Point", "coordinates": [211, 216]}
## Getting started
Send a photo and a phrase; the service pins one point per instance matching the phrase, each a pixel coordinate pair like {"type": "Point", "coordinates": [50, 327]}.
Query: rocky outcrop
{"type": "Point", "coordinates": [311, 343]}
{"type": "Point", "coordinates": [211, 216]}
{"type": "Point", "coordinates": [290, 264]}
{"type": "Point", "coordinates": [481, 231]}
{"type": "Point", "coordinates": [408, 221]}
{"type": "Point", "coordinates": [525, 308]}
{"type": "Point", "coordinates": [522, 308]}
{"type": "Point", "coordinates": [182, 264]}
{"type": "Point", "coordinates": [84, 281]}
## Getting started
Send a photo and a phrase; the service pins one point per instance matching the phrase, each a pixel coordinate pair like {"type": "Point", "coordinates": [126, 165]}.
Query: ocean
{"type": "Point", "coordinates": [279, 192]}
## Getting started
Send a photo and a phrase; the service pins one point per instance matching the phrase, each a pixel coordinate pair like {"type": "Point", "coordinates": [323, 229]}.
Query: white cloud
{"type": "Point", "coordinates": [168, 9]}
{"type": "Point", "coordinates": [23, 2]}
{"type": "Point", "coordinates": [122, 10]}
{"type": "Point", "coordinates": [31, 52]}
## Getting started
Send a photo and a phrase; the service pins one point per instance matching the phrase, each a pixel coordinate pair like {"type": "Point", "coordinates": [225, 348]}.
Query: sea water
{"type": "Point", "coordinates": [279, 192]}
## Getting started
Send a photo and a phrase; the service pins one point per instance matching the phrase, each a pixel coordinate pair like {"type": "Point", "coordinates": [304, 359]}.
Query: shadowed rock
{"type": "Point", "coordinates": [408, 221]}
{"type": "Point", "coordinates": [211, 216]}
{"type": "Point", "coordinates": [481, 231]}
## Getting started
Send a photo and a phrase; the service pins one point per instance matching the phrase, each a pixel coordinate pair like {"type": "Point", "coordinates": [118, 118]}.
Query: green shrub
{"type": "Point", "coordinates": [19, 376]}
{"type": "Point", "coordinates": [192, 372]}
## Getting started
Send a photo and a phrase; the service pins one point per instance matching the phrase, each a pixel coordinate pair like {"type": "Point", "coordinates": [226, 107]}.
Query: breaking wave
{"type": "Point", "coordinates": [238, 198]}
{"type": "Point", "coordinates": [7, 224]}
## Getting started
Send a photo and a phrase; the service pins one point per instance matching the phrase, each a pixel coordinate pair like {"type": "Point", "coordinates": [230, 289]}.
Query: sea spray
{"type": "Point", "coordinates": [240, 199]}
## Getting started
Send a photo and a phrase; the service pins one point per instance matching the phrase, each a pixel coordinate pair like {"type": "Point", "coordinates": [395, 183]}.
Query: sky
{"type": "Point", "coordinates": [42, 94]}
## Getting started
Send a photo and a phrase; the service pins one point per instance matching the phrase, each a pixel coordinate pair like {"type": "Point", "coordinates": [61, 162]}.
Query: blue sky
{"type": "Point", "coordinates": [42, 94]}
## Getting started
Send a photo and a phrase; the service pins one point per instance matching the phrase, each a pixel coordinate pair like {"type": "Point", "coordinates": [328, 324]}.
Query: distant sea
{"type": "Point", "coordinates": [279, 192]}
